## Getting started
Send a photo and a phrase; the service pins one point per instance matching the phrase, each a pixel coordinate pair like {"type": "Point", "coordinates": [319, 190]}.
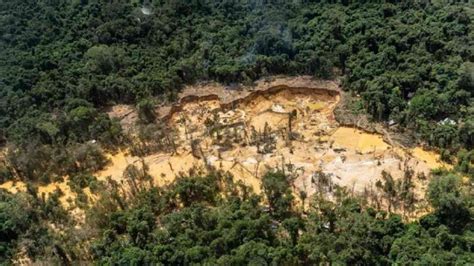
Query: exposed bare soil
{"type": "Point", "coordinates": [351, 157]}
{"type": "Point", "coordinates": [246, 131]}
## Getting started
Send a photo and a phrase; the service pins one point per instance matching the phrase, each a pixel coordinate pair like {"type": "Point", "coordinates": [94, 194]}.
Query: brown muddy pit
{"type": "Point", "coordinates": [351, 157]}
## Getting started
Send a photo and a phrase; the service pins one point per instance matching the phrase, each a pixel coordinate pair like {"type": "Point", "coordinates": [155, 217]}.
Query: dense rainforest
{"type": "Point", "coordinates": [64, 62]}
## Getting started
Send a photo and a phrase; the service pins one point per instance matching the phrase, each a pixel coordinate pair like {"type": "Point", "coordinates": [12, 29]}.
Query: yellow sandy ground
{"type": "Point", "coordinates": [13, 187]}
{"type": "Point", "coordinates": [432, 159]}
{"type": "Point", "coordinates": [273, 120]}
{"type": "Point", "coordinates": [68, 195]}
{"type": "Point", "coordinates": [19, 186]}
{"type": "Point", "coordinates": [120, 158]}
{"type": "Point", "coordinates": [358, 140]}
{"type": "Point", "coordinates": [167, 168]}
{"type": "Point", "coordinates": [317, 106]}
{"type": "Point", "coordinates": [358, 165]}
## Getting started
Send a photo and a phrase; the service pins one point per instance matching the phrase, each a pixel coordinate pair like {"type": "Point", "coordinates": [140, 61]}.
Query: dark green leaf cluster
{"type": "Point", "coordinates": [25, 231]}
{"type": "Point", "coordinates": [212, 220]}
{"type": "Point", "coordinates": [227, 227]}
{"type": "Point", "coordinates": [62, 61]}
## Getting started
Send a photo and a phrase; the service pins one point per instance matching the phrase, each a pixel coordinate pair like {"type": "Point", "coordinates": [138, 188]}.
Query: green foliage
{"type": "Point", "coordinates": [276, 187]}
{"type": "Point", "coordinates": [411, 62]}
{"type": "Point", "coordinates": [146, 110]}
{"type": "Point", "coordinates": [37, 162]}
{"type": "Point", "coordinates": [24, 220]}
{"type": "Point", "coordinates": [450, 202]}
{"type": "Point", "coordinates": [159, 227]}
{"type": "Point", "coordinates": [81, 180]}
{"type": "Point", "coordinates": [64, 62]}
{"type": "Point", "coordinates": [14, 219]}
{"type": "Point", "coordinates": [104, 59]}
{"type": "Point", "coordinates": [206, 229]}
{"type": "Point", "coordinates": [465, 163]}
{"type": "Point", "coordinates": [346, 234]}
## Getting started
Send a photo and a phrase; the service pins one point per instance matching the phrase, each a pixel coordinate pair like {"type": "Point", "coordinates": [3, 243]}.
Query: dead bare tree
{"type": "Point", "coordinates": [137, 176]}
{"type": "Point", "coordinates": [389, 188]}
{"type": "Point", "coordinates": [182, 121]}
{"type": "Point", "coordinates": [291, 117]}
